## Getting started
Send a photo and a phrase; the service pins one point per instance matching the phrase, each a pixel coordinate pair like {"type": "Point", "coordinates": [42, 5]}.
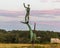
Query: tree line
{"type": "Point", "coordinates": [18, 36]}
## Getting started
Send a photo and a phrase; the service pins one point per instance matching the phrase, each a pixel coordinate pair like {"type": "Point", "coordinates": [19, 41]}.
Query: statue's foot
{"type": "Point", "coordinates": [25, 22]}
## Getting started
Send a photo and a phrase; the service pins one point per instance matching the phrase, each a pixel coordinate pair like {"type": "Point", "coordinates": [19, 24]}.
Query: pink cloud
{"type": "Point", "coordinates": [54, 11]}
{"type": "Point", "coordinates": [36, 11]}
{"type": "Point", "coordinates": [32, 13]}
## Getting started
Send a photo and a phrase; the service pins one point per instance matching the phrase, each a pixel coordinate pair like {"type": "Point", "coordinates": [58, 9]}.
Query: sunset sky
{"type": "Point", "coordinates": [45, 13]}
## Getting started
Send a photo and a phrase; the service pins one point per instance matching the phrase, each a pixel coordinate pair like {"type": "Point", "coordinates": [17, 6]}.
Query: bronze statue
{"type": "Point", "coordinates": [27, 13]}
{"type": "Point", "coordinates": [33, 37]}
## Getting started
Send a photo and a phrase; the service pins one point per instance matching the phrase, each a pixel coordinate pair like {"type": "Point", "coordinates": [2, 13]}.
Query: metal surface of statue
{"type": "Point", "coordinates": [32, 34]}
{"type": "Point", "coordinates": [27, 13]}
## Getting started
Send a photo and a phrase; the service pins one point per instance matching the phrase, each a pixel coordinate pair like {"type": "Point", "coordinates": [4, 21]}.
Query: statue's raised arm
{"type": "Point", "coordinates": [24, 5]}
{"type": "Point", "coordinates": [27, 12]}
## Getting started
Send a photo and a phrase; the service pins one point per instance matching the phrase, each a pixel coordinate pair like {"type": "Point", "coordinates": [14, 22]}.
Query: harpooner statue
{"type": "Point", "coordinates": [27, 13]}
{"type": "Point", "coordinates": [32, 35]}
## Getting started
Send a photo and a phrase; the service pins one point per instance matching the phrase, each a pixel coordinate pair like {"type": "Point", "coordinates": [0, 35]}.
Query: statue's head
{"type": "Point", "coordinates": [28, 5]}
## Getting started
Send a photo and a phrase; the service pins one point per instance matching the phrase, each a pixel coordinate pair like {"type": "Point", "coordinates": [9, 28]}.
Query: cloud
{"type": "Point", "coordinates": [53, 23]}
{"type": "Point", "coordinates": [7, 19]}
{"type": "Point", "coordinates": [41, 15]}
{"type": "Point", "coordinates": [9, 4]}
{"type": "Point", "coordinates": [17, 5]}
{"type": "Point", "coordinates": [11, 19]}
{"type": "Point", "coordinates": [37, 18]}
{"type": "Point", "coordinates": [11, 13]}
{"type": "Point", "coordinates": [46, 20]}
{"type": "Point", "coordinates": [32, 13]}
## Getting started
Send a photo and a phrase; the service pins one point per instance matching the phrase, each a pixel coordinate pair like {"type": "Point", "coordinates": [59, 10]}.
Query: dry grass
{"type": "Point", "coordinates": [29, 45]}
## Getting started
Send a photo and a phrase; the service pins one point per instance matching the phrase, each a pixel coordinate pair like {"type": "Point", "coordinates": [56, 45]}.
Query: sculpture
{"type": "Point", "coordinates": [27, 13]}
{"type": "Point", "coordinates": [32, 35]}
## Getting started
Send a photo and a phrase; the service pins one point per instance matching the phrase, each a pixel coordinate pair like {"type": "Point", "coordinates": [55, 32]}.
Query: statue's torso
{"type": "Point", "coordinates": [27, 10]}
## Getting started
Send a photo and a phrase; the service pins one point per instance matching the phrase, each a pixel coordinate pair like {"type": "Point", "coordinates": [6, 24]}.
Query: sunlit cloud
{"type": "Point", "coordinates": [17, 5]}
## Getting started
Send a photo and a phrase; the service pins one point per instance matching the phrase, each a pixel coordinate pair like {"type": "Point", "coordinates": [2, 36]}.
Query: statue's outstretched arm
{"type": "Point", "coordinates": [24, 5]}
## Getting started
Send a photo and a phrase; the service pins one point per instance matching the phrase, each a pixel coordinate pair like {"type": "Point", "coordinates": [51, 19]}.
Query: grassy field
{"type": "Point", "coordinates": [29, 46]}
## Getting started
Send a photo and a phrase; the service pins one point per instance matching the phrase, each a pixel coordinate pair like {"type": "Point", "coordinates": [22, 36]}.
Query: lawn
{"type": "Point", "coordinates": [29, 46]}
